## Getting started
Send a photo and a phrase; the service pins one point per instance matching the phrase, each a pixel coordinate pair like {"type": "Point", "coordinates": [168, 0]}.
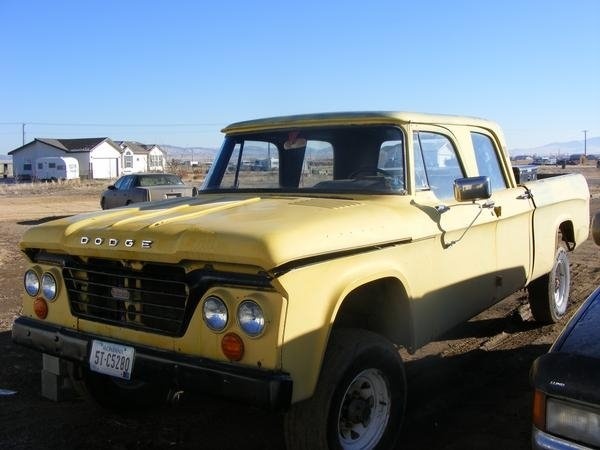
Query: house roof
{"type": "Point", "coordinates": [87, 144]}
{"type": "Point", "coordinates": [69, 145]}
{"type": "Point", "coordinates": [136, 147]}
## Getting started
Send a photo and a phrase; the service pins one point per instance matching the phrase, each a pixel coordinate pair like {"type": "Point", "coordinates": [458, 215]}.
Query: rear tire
{"type": "Point", "coordinates": [359, 399]}
{"type": "Point", "coordinates": [549, 294]}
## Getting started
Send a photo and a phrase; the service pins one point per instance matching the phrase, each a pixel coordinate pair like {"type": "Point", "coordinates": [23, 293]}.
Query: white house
{"type": "Point", "coordinates": [98, 158]}
{"type": "Point", "coordinates": [138, 157]}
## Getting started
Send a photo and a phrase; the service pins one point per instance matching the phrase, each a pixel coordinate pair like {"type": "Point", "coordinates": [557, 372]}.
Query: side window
{"type": "Point", "coordinates": [487, 160]}
{"type": "Point", "coordinates": [421, 183]}
{"type": "Point", "coordinates": [439, 161]}
{"type": "Point", "coordinates": [125, 184]}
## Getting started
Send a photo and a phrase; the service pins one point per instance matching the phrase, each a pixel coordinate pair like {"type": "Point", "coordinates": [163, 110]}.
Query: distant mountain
{"type": "Point", "coordinates": [207, 154]}
{"type": "Point", "coordinates": [202, 154]}
{"type": "Point", "coordinates": [562, 148]}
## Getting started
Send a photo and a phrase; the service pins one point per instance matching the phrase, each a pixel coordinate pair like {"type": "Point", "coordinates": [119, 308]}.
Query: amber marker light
{"type": "Point", "coordinates": [40, 307]}
{"type": "Point", "coordinates": [232, 346]}
{"type": "Point", "coordinates": [539, 410]}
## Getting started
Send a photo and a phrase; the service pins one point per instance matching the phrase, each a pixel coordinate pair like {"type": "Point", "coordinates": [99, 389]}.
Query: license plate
{"type": "Point", "coordinates": [111, 359]}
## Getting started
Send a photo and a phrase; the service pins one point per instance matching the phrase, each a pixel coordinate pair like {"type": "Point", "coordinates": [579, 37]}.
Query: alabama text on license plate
{"type": "Point", "coordinates": [112, 359]}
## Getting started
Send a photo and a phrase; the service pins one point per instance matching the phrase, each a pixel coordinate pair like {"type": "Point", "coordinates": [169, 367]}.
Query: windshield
{"type": "Point", "coordinates": [337, 159]}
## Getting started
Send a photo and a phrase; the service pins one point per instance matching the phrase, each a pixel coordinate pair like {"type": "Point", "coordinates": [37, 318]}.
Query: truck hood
{"type": "Point", "coordinates": [266, 232]}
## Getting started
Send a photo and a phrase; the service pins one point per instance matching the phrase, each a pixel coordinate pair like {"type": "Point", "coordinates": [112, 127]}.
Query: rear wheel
{"type": "Point", "coordinates": [359, 400]}
{"type": "Point", "coordinates": [549, 294]}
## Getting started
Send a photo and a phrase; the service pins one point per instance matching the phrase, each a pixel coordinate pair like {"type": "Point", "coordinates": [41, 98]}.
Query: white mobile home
{"type": "Point", "coordinates": [56, 168]}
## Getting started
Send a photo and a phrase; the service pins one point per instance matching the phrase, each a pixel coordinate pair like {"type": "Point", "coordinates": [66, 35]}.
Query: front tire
{"type": "Point", "coordinates": [359, 399]}
{"type": "Point", "coordinates": [549, 294]}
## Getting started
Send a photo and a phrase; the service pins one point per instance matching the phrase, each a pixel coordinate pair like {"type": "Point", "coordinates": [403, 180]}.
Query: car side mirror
{"type": "Point", "coordinates": [596, 228]}
{"type": "Point", "coordinates": [472, 188]}
{"type": "Point", "coordinates": [111, 187]}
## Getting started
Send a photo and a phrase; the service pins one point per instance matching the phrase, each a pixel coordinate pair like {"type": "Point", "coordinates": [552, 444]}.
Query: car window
{"type": "Point", "coordinates": [436, 163]}
{"type": "Point", "coordinates": [487, 160]}
{"type": "Point", "coordinates": [150, 180]}
{"type": "Point", "coordinates": [172, 179]}
{"type": "Point", "coordinates": [121, 182]}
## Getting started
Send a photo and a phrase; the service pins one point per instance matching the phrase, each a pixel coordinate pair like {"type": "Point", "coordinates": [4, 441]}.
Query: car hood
{"type": "Point", "coordinates": [266, 232]}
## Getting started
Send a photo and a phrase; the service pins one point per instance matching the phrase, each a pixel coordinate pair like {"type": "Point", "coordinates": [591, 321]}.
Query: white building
{"type": "Point", "coordinates": [138, 157]}
{"type": "Point", "coordinates": [98, 158]}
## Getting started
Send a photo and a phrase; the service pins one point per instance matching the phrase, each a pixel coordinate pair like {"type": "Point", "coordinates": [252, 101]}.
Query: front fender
{"type": "Point", "coordinates": [315, 295]}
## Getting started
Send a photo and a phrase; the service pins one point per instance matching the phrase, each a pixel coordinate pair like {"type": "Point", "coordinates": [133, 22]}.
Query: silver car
{"type": "Point", "coordinates": [143, 187]}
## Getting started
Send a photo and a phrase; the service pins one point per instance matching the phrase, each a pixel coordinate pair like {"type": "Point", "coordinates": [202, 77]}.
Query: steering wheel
{"type": "Point", "coordinates": [366, 171]}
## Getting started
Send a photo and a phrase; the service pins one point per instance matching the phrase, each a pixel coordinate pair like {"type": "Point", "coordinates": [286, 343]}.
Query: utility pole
{"type": "Point", "coordinates": [23, 132]}
{"type": "Point", "coordinates": [585, 142]}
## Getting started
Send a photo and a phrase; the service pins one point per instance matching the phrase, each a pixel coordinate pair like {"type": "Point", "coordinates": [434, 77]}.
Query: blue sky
{"type": "Point", "coordinates": [176, 72]}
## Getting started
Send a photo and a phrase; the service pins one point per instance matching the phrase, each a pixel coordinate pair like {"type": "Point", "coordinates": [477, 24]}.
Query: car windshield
{"type": "Point", "coordinates": [335, 159]}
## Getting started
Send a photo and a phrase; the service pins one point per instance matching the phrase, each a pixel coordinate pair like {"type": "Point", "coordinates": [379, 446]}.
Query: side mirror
{"type": "Point", "coordinates": [111, 187]}
{"type": "Point", "coordinates": [472, 188]}
{"type": "Point", "coordinates": [596, 228]}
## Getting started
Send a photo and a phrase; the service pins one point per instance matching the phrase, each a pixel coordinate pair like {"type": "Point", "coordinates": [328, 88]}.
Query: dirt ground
{"type": "Point", "coordinates": [467, 390]}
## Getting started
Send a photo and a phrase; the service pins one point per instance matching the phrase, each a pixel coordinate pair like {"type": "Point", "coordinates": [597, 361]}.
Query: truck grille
{"type": "Point", "coordinates": [153, 299]}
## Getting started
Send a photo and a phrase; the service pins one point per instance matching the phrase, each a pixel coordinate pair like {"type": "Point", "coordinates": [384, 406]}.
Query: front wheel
{"type": "Point", "coordinates": [549, 294]}
{"type": "Point", "coordinates": [359, 400]}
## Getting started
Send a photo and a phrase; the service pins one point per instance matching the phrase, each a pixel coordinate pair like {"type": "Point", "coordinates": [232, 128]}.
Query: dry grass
{"type": "Point", "coordinates": [75, 187]}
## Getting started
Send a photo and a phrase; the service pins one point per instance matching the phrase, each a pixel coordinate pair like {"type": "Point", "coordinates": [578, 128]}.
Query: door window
{"type": "Point", "coordinates": [436, 164]}
{"type": "Point", "coordinates": [487, 160]}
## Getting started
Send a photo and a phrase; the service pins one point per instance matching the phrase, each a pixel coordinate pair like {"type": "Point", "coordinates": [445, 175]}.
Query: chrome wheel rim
{"type": "Point", "coordinates": [561, 285]}
{"type": "Point", "coordinates": [365, 411]}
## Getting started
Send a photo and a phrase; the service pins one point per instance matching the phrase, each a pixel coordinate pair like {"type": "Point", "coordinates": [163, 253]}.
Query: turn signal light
{"type": "Point", "coordinates": [232, 346]}
{"type": "Point", "coordinates": [539, 410]}
{"type": "Point", "coordinates": [40, 308]}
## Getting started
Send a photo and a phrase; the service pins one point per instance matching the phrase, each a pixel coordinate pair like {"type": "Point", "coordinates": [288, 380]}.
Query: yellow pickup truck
{"type": "Point", "coordinates": [318, 245]}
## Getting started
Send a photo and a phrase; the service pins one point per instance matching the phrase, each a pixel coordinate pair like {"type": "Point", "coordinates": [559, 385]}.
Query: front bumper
{"type": "Point", "coordinates": [545, 441]}
{"type": "Point", "coordinates": [266, 389]}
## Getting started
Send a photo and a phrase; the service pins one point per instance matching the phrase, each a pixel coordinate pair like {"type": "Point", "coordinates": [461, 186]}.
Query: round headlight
{"type": "Point", "coordinates": [32, 283]}
{"type": "Point", "coordinates": [214, 313]}
{"type": "Point", "coordinates": [251, 318]}
{"type": "Point", "coordinates": [48, 286]}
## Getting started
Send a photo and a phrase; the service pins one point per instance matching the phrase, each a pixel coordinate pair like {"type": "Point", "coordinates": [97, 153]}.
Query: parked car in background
{"type": "Point", "coordinates": [566, 380]}
{"type": "Point", "coordinates": [575, 160]}
{"type": "Point", "coordinates": [144, 187]}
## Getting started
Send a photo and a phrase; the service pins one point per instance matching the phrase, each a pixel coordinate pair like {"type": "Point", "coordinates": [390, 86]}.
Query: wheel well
{"type": "Point", "coordinates": [568, 234]}
{"type": "Point", "coordinates": [380, 306]}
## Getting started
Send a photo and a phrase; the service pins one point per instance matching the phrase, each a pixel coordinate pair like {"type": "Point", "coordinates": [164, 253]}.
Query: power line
{"type": "Point", "coordinates": [67, 124]}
